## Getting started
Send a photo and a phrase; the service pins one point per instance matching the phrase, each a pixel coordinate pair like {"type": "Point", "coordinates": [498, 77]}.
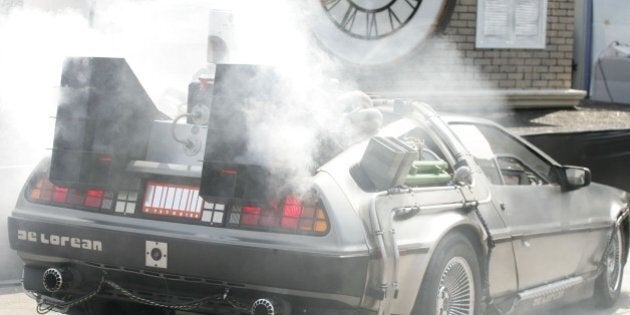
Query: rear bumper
{"type": "Point", "coordinates": [187, 262]}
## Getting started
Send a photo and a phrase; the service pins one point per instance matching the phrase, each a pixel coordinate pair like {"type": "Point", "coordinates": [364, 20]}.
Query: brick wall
{"type": "Point", "coordinates": [450, 61]}
{"type": "Point", "coordinates": [520, 68]}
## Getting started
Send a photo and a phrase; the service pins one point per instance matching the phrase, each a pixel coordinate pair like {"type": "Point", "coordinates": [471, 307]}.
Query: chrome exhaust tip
{"type": "Point", "coordinates": [54, 279]}
{"type": "Point", "coordinates": [264, 307]}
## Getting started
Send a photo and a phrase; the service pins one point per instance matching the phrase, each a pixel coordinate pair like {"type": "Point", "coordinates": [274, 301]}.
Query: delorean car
{"type": "Point", "coordinates": [426, 214]}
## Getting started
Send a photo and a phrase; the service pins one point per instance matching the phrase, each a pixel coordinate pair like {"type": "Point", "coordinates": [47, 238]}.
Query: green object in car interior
{"type": "Point", "coordinates": [428, 173]}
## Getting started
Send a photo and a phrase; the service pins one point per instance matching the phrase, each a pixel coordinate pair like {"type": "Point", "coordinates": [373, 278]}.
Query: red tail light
{"type": "Point", "coordinates": [43, 191]}
{"type": "Point", "coordinates": [105, 159]}
{"type": "Point", "coordinates": [293, 214]}
{"type": "Point", "coordinates": [251, 215]}
{"type": "Point", "coordinates": [228, 172]}
{"type": "Point", "coordinates": [94, 198]}
{"type": "Point", "coordinates": [181, 202]}
{"type": "Point", "coordinates": [60, 194]}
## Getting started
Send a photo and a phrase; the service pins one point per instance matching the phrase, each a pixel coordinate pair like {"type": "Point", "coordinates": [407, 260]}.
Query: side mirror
{"type": "Point", "coordinates": [576, 177]}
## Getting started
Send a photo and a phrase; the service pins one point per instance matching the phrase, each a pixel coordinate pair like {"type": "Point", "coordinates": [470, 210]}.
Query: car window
{"type": "Point", "coordinates": [515, 172]}
{"type": "Point", "coordinates": [503, 159]}
{"type": "Point", "coordinates": [475, 142]}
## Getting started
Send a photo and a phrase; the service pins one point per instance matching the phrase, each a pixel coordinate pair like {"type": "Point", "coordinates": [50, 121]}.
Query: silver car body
{"type": "Point", "coordinates": [539, 243]}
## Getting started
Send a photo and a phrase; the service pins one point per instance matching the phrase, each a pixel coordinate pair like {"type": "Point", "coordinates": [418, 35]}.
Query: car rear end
{"type": "Point", "coordinates": [155, 241]}
{"type": "Point", "coordinates": [180, 216]}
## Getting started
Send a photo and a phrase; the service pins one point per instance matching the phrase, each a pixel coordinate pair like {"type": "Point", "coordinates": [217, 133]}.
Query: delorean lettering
{"type": "Point", "coordinates": [60, 240]}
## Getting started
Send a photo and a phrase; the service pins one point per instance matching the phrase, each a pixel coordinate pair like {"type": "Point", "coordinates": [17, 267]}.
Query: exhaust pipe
{"type": "Point", "coordinates": [266, 307]}
{"type": "Point", "coordinates": [55, 279]}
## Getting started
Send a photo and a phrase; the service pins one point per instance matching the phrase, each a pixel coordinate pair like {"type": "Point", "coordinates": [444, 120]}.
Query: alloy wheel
{"type": "Point", "coordinates": [613, 262]}
{"type": "Point", "coordinates": [456, 294]}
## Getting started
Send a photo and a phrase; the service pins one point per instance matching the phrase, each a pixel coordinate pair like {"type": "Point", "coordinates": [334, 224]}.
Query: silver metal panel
{"type": "Point", "coordinates": [159, 261]}
{"type": "Point", "coordinates": [163, 147]}
{"type": "Point", "coordinates": [556, 287]}
{"type": "Point", "coordinates": [535, 217]}
{"type": "Point", "coordinates": [421, 231]}
{"type": "Point", "coordinates": [169, 169]}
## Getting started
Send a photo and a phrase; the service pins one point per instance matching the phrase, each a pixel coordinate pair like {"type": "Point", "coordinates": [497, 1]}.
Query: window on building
{"type": "Point", "coordinates": [511, 23]}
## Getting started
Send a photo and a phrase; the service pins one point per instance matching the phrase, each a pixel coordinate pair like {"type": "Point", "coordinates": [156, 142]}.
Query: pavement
{"type": "Point", "coordinates": [587, 116]}
{"type": "Point", "coordinates": [14, 302]}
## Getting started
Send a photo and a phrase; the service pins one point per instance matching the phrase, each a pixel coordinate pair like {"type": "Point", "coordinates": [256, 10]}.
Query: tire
{"type": "Point", "coordinates": [608, 283]}
{"type": "Point", "coordinates": [454, 259]}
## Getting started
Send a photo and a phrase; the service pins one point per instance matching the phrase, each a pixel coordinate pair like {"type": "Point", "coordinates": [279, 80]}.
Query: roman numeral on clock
{"type": "Point", "coordinates": [330, 4]}
{"type": "Point", "coordinates": [361, 21]}
{"type": "Point", "coordinates": [348, 19]}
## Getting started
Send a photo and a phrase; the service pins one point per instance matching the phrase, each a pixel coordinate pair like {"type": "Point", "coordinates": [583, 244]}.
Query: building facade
{"type": "Point", "coordinates": [450, 68]}
{"type": "Point", "coordinates": [515, 53]}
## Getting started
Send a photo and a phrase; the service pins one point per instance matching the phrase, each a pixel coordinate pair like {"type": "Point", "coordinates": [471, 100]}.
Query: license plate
{"type": "Point", "coordinates": [172, 200]}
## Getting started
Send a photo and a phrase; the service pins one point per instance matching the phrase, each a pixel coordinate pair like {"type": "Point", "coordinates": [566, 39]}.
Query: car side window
{"type": "Point", "coordinates": [515, 172]}
{"type": "Point", "coordinates": [475, 142]}
{"type": "Point", "coordinates": [503, 159]}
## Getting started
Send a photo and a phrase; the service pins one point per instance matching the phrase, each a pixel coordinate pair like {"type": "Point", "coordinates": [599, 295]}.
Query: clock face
{"type": "Point", "coordinates": [372, 32]}
{"type": "Point", "coordinates": [370, 19]}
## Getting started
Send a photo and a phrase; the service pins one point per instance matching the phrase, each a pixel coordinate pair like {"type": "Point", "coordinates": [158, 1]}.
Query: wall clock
{"type": "Point", "coordinates": [374, 31]}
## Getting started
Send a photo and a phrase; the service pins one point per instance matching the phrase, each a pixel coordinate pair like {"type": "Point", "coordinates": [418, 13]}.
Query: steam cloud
{"type": "Point", "coordinates": [285, 136]}
{"type": "Point", "coordinates": [35, 42]}
{"type": "Point", "coordinates": [165, 44]}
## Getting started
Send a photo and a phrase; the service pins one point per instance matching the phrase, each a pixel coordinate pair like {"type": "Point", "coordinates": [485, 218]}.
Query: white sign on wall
{"type": "Point", "coordinates": [511, 24]}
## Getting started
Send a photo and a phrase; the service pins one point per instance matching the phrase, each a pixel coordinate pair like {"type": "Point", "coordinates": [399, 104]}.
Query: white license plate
{"type": "Point", "coordinates": [172, 200]}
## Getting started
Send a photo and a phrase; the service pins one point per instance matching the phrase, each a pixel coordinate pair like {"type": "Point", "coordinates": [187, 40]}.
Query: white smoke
{"type": "Point", "coordinates": [440, 74]}
{"type": "Point", "coordinates": [30, 59]}
{"type": "Point", "coordinates": [286, 135]}
{"type": "Point", "coordinates": [165, 44]}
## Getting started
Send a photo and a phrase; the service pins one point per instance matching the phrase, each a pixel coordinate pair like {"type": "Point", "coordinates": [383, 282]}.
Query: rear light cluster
{"type": "Point", "coordinates": [297, 215]}
{"type": "Point", "coordinates": [43, 191]}
{"type": "Point", "coordinates": [293, 214]}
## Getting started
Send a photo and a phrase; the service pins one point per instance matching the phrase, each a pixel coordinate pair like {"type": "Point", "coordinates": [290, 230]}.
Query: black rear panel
{"type": "Point", "coordinates": [103, 120]}
{"type": "Point", "coordinates": [228, 170]}
{"type": "Point", "coordinates": [236, 264]}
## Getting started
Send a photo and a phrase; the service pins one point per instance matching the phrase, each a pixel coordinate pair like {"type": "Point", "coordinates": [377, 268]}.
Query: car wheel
{"type": "Point", "coordinates": [451, 285]}
{"type": "Point", "coordinates": [608, 284]}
